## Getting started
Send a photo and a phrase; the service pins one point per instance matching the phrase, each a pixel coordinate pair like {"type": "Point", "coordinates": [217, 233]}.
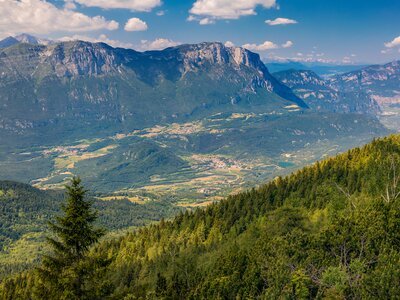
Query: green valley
{"type": "Point", "coordinates": [327, 231]}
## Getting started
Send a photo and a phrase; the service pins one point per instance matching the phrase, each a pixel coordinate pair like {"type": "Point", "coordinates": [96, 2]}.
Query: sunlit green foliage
{"type": "Point", "coordinates": [329, 231]}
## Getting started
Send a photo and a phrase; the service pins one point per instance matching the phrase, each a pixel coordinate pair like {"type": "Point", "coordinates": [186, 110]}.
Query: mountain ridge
{"type": "Point", "coordinates": [321, 94]}
{"type": "Point", "coordinates": [97, 84]}
{"type": "Point", "coordinates": [379, 80]}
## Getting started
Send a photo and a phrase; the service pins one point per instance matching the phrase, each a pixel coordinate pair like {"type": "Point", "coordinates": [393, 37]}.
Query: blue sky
{"type": "Point", "coordinates": [352, 31]}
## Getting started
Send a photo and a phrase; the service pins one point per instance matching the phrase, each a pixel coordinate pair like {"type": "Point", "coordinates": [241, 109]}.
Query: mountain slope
{"type": "Point", "coordinates": [25, 212]}
{"type": "Point", "coordinates": [328, 231]}
{"type": "Point", "coordinates": [74, 84]}
{"type": "Point", "coordinates": [378, 80]}
{"type": "Point", "coordinates": [23, 38]}
{"type": "Point", "coordinates": [219, 120]}
{"type": "Point", "coordinates": [381, 82]}
{"type": "Point", "coordinates": [319, 93]}
{"type": "Point", "coordinates": [8, 42]}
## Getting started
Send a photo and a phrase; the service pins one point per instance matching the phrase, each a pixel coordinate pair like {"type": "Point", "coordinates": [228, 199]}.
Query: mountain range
{"type": "Point", "coordinates": [97, 85]}
{"type": "Point", "coordinates": [24, 38]}
{"type": "Point", "coordinates": [377, 80]}
{"type": "Point", "coordinates": [324, 94]}
{"type": "Point", "coordinates": [197, 120]}
{"type": "Point", "coordinates": [324, 70]}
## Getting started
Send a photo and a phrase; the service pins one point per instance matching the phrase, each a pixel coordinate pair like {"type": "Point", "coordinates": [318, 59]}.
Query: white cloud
{"type": "Point", "coordinates": [288, 44]}
{"type": "Point", "coordinates": [41, 17]}
{"type": "Point", "coordinates": [135, 5]}
{"type": "Point", "coordinates": [160, 13]}
{"type": "Point", "coordinates": [267, 45]}
{"type": "Point", "coordinates": [135, 24]}
{"type": "Point", "coordinates": [229, 44]}
{"type": "Point", "coordinates": [347, 60]}
{"type": "Point", "coordinates": [280, 21]}
{"type": "Point", "coordinates": [394, 43]}
{"type": "Point", "coordinates": [228, 9]}
{"type": "Point", "coordinates": [69, 4]}
{"type": "Point", "coordinates": [206, 21]}
{"type": "Point", "coordinates": [157, 44]}
{"type": "Point", "coordinates": [302, 58]}
{"type": "Point", "coordinates": [101, 39]}
{"type": "Point", "coordinates": [202, 21]}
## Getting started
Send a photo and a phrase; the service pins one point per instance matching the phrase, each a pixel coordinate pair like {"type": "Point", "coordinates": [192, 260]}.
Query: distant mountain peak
{"type": "Point", "coordinates": [24, 38]}
{"type": "Point", "coordinates": [30, 39]}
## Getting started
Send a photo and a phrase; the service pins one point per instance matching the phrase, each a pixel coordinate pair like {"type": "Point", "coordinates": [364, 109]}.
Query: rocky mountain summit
{"type": "Point", "coordinates": [24, 38]}
{"type": "Point", "coordinates": [97, 85]}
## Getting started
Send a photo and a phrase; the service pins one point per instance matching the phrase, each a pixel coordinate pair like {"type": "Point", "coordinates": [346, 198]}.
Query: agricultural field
{"type": "Point", "coordinates": [189, 164]}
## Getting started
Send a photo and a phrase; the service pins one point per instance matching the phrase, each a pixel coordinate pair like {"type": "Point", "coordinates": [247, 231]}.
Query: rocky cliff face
{"type": "Point", "coordinates": [80, 59]}
{"type": "Point", "coordinates": [79, 83]}
{"type": "Point", "coordinates": [322, 95]}
{"type": "Point", "coordinates": [378, 80]}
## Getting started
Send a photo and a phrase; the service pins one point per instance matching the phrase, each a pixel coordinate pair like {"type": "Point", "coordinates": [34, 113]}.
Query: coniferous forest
{"type": "Point", "coordinates": [328, 231]}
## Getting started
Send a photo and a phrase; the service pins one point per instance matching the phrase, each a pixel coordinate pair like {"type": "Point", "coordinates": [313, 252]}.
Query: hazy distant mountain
{"type": "Point", "coordinates": [324, 70]}
{"type": "Point", "coordinates": [320, 95]}
{"type": "Point", "coordinates": [29, 39]}
{"type": "Point", "coordinates": [378, 80]}
{"type": "Point", "coordinates": [274, 67]}
{"type": "Point", "coordinates": [23, 38]}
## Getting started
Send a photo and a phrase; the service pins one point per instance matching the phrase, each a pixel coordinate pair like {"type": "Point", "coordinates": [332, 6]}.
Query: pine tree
{"type": "Point", "coordinates": [66, 272]}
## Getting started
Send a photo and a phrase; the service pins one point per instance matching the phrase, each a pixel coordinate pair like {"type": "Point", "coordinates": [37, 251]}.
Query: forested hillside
{"type": "Point", "coordinates": [25, 212]}
{"type": "Point", "coordinates": [331, 230]}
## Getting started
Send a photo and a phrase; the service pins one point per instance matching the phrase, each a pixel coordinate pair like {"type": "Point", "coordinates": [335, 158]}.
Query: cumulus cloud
{"type": "Point", "coordinates": [288, 44]}
{"type": "Point", "coordinates": [135, 5]}
{"type": "Point", "coordinates": [229, 44]}
{"type": "Point", "coordinates": [202, 21]}
{"type": "Point", "coordinates": [100, 39]}
{"type": "Point", "coordinates": [280, 21]}
{"type": "Point", "coordinates": [267, 45]}
{"type": "Point", "coordinates": [69, 4]}
{"type": "Point", "coordinates": [135, 24]}
{"type": "Point", "coordinates": [228, 9]}
{"type": "Point", "coordinates": [160, 13]}
{"type": "Point", "coordinates": [157, 44]}
{"type": "Point", "coordinates": [206, 21]}
{"type": "Point", "coordinates": [42, 17]}
{"type": "Point", "coordinates": [394, 43]}
{"type": "Point", "coordinates": [191, 18]}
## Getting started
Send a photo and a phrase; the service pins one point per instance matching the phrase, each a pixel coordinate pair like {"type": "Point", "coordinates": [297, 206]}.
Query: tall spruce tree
{"type": "Point", "coordinates": [67, 272]}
